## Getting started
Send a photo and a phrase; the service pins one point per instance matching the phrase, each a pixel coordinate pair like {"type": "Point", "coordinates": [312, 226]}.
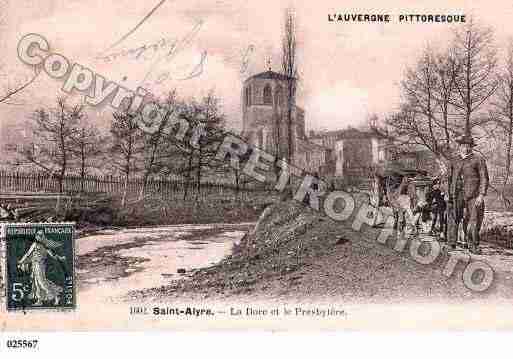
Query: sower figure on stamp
{"type": "Point", "coordinates": [35, 261]}
{"type": "Point", "coordinates": [469, 186]}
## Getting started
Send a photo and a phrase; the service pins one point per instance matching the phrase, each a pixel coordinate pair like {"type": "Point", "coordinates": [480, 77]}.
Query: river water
{"type": "Point", "coordinates": [112, 263]}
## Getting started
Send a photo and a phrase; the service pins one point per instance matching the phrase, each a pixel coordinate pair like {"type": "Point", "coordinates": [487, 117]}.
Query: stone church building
{"type": "Point", "coordinates": [264, 122]}
{"type": "Point", "coordinates": [330, 153]}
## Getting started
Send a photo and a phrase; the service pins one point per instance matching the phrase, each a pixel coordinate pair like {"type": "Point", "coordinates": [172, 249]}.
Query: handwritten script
{"type": "Point", "coordinates": [161, 53]}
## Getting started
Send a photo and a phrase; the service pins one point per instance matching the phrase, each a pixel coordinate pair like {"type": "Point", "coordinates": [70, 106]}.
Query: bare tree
{"type": "Point", "coordinates": [208, 123]}
{"type": "Point", "coordinates": [419, 87]}
{"type": "Point", "coordinates": [126, 145]}
{"type": "Point", "coordinates": [176, 158]}
{"type": "Point", "coordinates": [53, 132]}
{"type": "Point", "coordinates": [428, 117]}
{"type": "Point", "coordinates": [86, 147]}
{"type": "Point", "coordinates": [448, 68]}
{"type": "Point", "coordinates": [155, 144]}
{"type": "Point", "coordinates": [290, 70]}
{"type": "Point", "coordinates": [475, 50]}
{"type": "Point", "coordinates": [446, 93]}
{"type": "Point", "coordinates": [419, 122]}
{"type": "Point", "coordinates": [503, 111]}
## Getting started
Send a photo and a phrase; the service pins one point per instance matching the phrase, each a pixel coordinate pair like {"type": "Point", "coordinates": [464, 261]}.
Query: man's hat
{"type": "Point", "coordinates": [467, 138]}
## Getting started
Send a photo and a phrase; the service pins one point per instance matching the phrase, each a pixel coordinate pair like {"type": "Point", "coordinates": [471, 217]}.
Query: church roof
{"type": "Point", "coordinates": [348, 133]}
{"type": "Point", "coordinates": [269, 75]}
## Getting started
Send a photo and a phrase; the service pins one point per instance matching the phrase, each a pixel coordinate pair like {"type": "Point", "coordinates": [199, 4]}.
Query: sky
{"type": "Point", "coordinates": [348, 71]}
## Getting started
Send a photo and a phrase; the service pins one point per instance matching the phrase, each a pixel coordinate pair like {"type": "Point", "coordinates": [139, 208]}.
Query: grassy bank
{"type": "Point", "coordinates": [109, 211]}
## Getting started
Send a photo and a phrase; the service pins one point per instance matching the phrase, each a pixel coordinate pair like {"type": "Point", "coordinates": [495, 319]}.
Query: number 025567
{"type": "Point", "coordinates": [22, 343]}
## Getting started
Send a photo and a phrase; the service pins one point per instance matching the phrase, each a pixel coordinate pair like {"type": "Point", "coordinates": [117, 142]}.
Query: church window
{"type": "Point", "coordinates": [248, 96]}
{"type": "Point", "coordinates": [268, 97]}
{"type": "Point", "coordinates": [278, 100]}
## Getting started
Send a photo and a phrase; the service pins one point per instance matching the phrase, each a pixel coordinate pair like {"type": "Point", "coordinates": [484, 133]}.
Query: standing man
{"type": "Point", "coordinates": [468, 188]}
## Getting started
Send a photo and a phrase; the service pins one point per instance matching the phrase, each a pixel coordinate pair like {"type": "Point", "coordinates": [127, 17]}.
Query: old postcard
{"type": "Point", "coordinates": [276, 165]}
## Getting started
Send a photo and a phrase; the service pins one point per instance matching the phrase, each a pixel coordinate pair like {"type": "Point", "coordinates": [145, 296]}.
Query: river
{"type": "Point", "coordinates": [112, 263]}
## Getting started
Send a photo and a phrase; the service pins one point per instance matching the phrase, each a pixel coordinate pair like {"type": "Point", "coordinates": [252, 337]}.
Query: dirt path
{"type": "Point", "coordinates": [363, 270]}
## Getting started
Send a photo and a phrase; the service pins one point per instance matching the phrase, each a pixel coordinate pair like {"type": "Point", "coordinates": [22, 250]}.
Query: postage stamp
{"type": "Point", "coordinates": [40, 266]}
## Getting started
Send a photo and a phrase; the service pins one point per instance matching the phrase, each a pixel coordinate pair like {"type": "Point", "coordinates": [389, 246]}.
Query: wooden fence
{"type": "Point", "coordinates": [112, 185]}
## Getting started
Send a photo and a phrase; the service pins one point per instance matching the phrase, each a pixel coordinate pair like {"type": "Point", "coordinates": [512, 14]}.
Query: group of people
{"type": "Point", "coordinates": [457, 197]}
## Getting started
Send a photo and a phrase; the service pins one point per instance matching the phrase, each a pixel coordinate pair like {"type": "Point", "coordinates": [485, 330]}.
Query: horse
{"type": "Point", "coordinates": [407, 200]}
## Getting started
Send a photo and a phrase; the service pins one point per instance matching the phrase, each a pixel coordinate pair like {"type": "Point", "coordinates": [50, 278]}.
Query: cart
{"type": "Point", "coordinates": [400, 191]}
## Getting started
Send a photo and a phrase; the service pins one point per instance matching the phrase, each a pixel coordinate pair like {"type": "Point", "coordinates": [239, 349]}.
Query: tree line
{"type": "Point", "coordinates": [66, 141]}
